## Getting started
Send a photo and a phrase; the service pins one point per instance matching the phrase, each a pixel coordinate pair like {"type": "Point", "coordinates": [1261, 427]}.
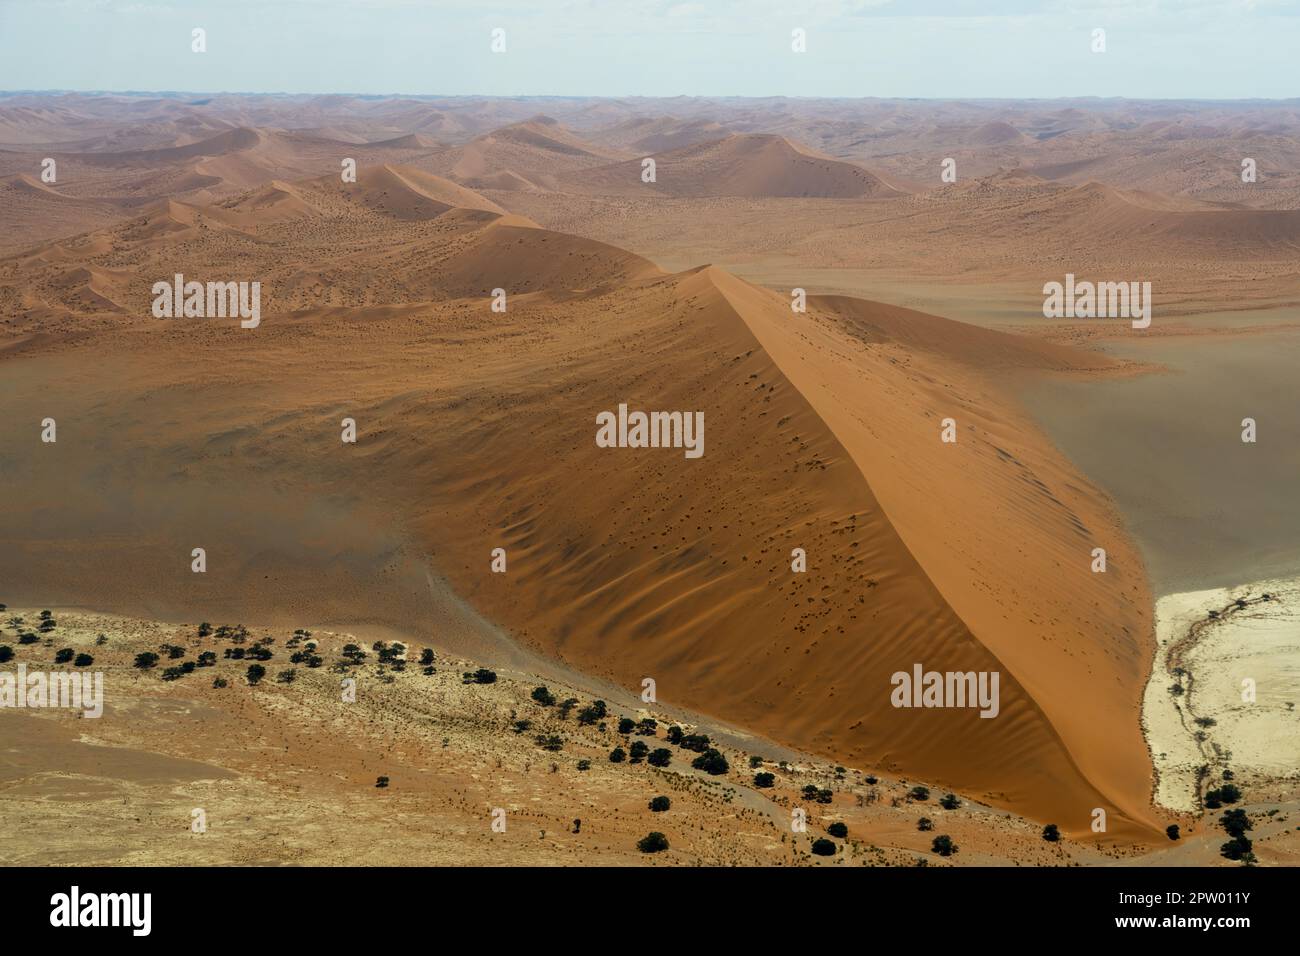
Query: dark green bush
{"type": "Point", "coordinates": [654, 842]}
{"type": "Point", "coordinates": [943, 845]}
{"type": "Point", "coordinates": [711, 762]}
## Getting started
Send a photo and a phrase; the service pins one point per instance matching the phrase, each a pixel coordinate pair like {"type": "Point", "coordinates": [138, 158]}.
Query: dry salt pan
{"type": "Point", "coordinates": [1235, 702]}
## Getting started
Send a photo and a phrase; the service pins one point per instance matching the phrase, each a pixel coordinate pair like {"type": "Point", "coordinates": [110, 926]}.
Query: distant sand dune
{"type": "Point", "coordinates": [738, 165]}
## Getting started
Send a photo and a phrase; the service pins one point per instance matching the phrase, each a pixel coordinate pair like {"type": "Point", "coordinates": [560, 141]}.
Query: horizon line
{"type": "Point", "coordinates": [643, 96]}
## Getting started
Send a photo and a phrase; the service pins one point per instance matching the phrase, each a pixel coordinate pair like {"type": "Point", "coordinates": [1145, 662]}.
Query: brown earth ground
{"type": "Point", "coordinates": [285, 773]}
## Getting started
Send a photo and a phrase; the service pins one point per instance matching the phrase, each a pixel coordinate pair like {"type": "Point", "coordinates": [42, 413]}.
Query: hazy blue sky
{"type": "Point", "coordinates": [922, 48]}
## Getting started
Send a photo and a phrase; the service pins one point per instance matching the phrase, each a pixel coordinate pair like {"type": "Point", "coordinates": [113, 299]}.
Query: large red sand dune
{"type": "Point", "coordinates": [822, 433]}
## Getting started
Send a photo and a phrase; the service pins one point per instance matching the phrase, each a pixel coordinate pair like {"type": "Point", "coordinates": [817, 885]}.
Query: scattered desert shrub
{"type": "Point", "coordinates": [146, 660]}
{"type": "Point", "coordinates": [764, 780]}
{"type": "Point", "coordinates": [1228, 793]}
{"type": "Point", "coordinates": [83, 660]}
{"type": "Point", "coordinates": [660, 804]}
{"type": "Point", "coordinates": [1235, 822]}
{"type": "Point", "coordinates": [840, 830]}
{"type": "Point", "coordinates": [943, 845]}
{"type": "Point", "coordinates": [1171, 831]}
{"type": "Point", "coordinates": [823, 847]}
{"type": "Point", "coordinates": [1238, 848]}
{"type": "Point", "coordinates": [950, 801]}
{"type": "Point", "coordinates": [695, 742]}
{"type": "Point", "coordinates": [63, 655]}
{"type": "Point", "coordinates": [711, 762]}
{"type": "Point", "coordinates": [617, 755]}
{"type": "Point", "coordinates": [660, 757]}
{"type": "Point", "coordinates": [255, 673]}
{"type": "Point", "coordinates": [919, 793]}
{"type": "Point", "coordinates": [1051, 833]}
{"type": "Point", "coordinates": [924, 824]}
{"type": "Point", "coordinates": [543, 696]}
{"type": "Point", "coordinates": [653, 842]}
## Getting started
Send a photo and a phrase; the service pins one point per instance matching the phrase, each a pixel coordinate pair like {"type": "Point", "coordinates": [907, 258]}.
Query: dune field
{"type": "Point", "coordinates": [902, 466]}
